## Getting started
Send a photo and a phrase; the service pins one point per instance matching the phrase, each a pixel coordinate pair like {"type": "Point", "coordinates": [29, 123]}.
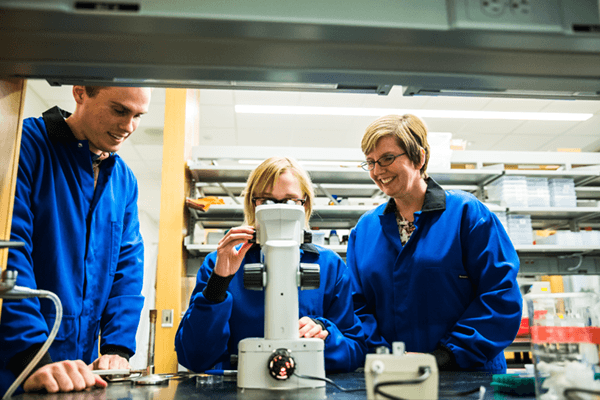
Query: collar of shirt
{"type": "Point", "coordinates": [435, 199]}
{"type": "Point", "coordinates": [57, 127]}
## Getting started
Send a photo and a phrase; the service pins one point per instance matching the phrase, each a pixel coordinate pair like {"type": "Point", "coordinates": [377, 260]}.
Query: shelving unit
{"type": "Point", "coordinates": [223, 172]}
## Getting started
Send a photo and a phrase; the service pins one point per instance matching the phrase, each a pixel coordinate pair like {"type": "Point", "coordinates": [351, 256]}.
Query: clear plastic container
{"type": "Point", "coordinates": [565, 334]}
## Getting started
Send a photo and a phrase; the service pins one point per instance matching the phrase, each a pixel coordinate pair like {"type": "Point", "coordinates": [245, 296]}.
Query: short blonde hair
{"type": "Point", "coordinates": [410, 132]}
{"type": "Point", "coordinates": [264, 177]}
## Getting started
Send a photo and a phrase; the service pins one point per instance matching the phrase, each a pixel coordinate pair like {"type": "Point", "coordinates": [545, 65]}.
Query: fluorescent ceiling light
{"type": "Point", "coordinates": [378, 112]}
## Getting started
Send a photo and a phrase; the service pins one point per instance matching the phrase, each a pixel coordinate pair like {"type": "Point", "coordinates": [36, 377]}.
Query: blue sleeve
{"type": "Point", "coordinates": [345, 346]}
{"type": "Point", "coordinates": [203, 333]}
{"type": "Point", "coordinates": [22, 322]}
{"type": "Point", "coordinates": [491, 321]}
{"type": "Point", "coordinates": [7, 379]}
{"type": "Point", "coordinates": [361, 307]}
{"type": "Point", "coordinates": [121, 315]}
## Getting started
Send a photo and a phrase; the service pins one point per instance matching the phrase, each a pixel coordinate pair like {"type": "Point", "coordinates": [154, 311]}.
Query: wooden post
{"type": "Point", "coordinates": [181, 132]}
{"type": "Point", "coordinates": [12, 100]}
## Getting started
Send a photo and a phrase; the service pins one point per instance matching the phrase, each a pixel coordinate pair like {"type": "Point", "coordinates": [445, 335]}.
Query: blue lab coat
{"type": "Point", "coordinates": [81, 244]}
{"type": "Point", "coordinates": [209, 332]}
{"type": "Point", "coordinates": [453, 283]}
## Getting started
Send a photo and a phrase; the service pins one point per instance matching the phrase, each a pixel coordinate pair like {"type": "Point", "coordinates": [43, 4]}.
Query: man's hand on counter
{"type": "Point", "coordinates": [110, 361]}
{"type": "Point", "coordinates": [63, 376]}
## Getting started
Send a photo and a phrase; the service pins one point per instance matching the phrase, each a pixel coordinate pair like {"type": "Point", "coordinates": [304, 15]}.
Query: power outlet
{"type": "Point", "coordinates": [494, 8]}
{"type": "Point", "coordinates": [166, 319]}
{"type": "Point", "coordinates": [520, 7]}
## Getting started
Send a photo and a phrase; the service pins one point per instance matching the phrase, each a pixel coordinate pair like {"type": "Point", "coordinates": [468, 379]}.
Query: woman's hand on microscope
{"type": "Point", "coordinates": [63, 376]}
{"type": "Point", "coordinates": [229, 258]}
{"type": "Point", "coordinates": [310, 329]}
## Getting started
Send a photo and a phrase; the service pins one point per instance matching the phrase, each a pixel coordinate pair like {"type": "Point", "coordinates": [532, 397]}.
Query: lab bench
{"type": "Point", "coordinates": [187, 389]}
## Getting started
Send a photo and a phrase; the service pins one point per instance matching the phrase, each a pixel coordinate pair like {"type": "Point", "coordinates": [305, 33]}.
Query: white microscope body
{"type": "Point", "coordinates": [272, 362]}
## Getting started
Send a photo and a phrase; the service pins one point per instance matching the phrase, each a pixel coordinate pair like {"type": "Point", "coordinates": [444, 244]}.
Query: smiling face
{"type": "Point", "coordinates": [399, 179]}
{"type": "Point", "coordinates": [108, 118]}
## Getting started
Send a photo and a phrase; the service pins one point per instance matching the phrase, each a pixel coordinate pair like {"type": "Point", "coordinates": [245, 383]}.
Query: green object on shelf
{"type": "Point", "coordinates": [514, 384]}
{"type": "Point", "coordinates": [517, 384]}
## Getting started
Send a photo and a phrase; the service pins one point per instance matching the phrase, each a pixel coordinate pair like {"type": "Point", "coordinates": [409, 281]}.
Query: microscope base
{"type": "Point", "coordinates": [254, 353]}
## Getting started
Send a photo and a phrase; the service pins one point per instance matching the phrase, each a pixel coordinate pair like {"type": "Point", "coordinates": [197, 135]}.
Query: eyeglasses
{"type": "Point", "coordinates": [383, 162]}
{"type": "Point", "coordinates": [259, 201]}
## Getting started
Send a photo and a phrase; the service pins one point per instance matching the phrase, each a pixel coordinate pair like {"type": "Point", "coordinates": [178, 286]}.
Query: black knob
{"type": "Point", "coordinates": [254, 276]}
{"type": "Point", "coordinates": [310, 276]}
{"type": "Point", "coordinates": [281, 364]}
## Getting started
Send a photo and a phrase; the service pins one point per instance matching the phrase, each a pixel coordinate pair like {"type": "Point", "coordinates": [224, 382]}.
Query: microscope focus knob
{"type": "Point", "coordinates": [255, 276]}
{"type": "Point", "coordinates": [307, 237]}
{"type": "Point", "coordinates": [281, 364]}
{"type": "Point", "coordinates": [310, 276]}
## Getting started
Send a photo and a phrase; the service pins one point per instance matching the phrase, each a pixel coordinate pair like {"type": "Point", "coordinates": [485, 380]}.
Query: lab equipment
{"type": "Point", "coordinates": [565, 334]}
{"type": "Point", "coordinates": [401, 375]}
{"type": "Point", "coordinates": [273, 362]}
{"type": "Point", "coordinates": [9, 290]}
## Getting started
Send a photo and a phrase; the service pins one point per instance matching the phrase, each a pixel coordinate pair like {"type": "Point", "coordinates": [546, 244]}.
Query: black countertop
{"type": "Point", "coordinates": [189, 388]}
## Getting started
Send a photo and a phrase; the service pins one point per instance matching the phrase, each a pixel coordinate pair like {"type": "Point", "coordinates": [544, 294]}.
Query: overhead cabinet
{"type": "Point", "coordinates": [344, 191]}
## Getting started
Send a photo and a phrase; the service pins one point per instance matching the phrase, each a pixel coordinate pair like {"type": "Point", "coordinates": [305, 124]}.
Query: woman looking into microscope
{"type": "Point", "coordinates": [222, 311]}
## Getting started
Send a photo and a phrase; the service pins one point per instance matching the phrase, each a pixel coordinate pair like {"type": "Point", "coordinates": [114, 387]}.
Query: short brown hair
{"type": "Point", "coordinates": [410, 132]}
{"type": "Point", "coordinates": [264, 177]}
{"type": "Point", "coordinates": [92, 91]}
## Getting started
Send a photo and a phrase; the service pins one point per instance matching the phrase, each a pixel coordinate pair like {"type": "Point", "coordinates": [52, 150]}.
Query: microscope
{"type": "Point", "coordinates": [281, 360]}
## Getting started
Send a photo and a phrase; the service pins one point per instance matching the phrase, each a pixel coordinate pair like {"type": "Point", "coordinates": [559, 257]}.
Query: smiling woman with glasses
{"type": "Point", "coordinates": [222, 311]}
{"type": "Point", "coordinates": [434, 269]}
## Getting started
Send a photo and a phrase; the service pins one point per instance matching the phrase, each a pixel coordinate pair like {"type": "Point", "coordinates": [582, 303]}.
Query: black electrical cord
{"type": "Point", "coordinates": [317, 378]}
{"type": "Point", "coordinates": [424, 371]}
{"type": "Point", "coordinates": [568, 391]}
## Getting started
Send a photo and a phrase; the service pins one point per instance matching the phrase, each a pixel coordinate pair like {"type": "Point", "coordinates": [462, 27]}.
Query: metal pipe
{"type": "Point", "coordinates": [150, 368]}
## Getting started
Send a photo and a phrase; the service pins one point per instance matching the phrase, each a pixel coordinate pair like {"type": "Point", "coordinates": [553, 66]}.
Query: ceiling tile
{"type": "Point", "coordinates": [479, 141]}
{"type": "Point", "coordinates": [262, 137]}
{"type": "Point", "coordinates": [455, 103]}
{"type": "Point", "coordinates": [150, 152]}
{"type": "Point", "coordinates": [585, 143]}
{"type": "Point", "coordinates": [217, 116]}
{"type": "Point", "coordinates": [484, 127]}
{"type": "Point", "coordinates": [591, 127]}
{"type": "Point", "coordinates": [216, 97]}
{"type": "Point", "coordinates": [327, 138]}
{"type": "Point", "coordinates": [219, 137]}
{"type": "Point", "coordinates": [520, 105]}
{"type": "Point", "coordinates": [264, 97]}
{"type": "Point", "coordinates": [332, 99]}
{"type": "Point", "coordinates": [573, 106]}
{"type": "Point", "coordinates": [444, 124]}
{"type": "Point", "coordinates": [521, 142]}
{"type": "Point", "coordinates": [129, 153]}
{"type": "Point", "coordinates": [158, 97]}
{"type": "Point", "coordinates": [544, 127]}
{"type": "Point", "coordinates": [155, 117]}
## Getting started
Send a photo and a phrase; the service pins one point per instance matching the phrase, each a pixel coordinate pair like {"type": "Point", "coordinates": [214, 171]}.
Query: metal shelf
{"type": "Point", "coordinates": [556, 213]}
{"type": "Point", "coordinates": [217, 172]}
{"type": "Point", "coordinates": [527, 251]}
{"type": "Point", "coordinates": [324, 217]}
